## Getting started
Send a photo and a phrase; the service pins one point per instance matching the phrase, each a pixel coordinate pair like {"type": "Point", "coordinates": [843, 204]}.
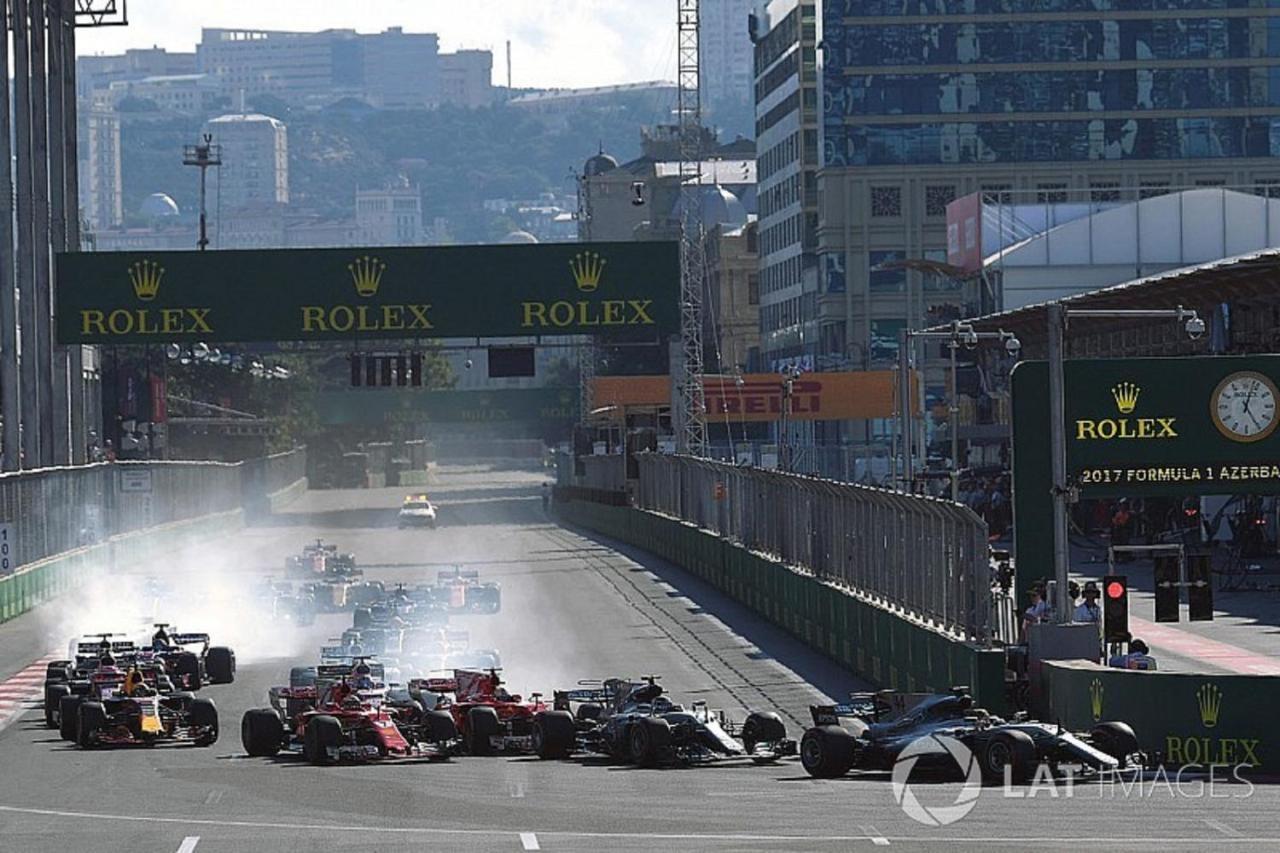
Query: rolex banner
{"type": "Point", "coordinates": [617, 290]}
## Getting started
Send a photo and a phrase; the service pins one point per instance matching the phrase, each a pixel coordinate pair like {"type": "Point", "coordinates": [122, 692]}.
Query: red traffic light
{"type": "Point", "coordinates": [1115, 589]}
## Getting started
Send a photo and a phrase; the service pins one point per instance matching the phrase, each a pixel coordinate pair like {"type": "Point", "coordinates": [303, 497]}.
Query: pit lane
{"type": "Point", "coordinates": [573, 607]}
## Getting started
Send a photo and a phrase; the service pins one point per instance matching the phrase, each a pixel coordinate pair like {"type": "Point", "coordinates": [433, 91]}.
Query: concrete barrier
{"type": "Point", "coordinates": [880, 645]}
{"type": "Point", "coordinates": [1183, 718]}
{"type": "Point", "coordinates": [279, 500]}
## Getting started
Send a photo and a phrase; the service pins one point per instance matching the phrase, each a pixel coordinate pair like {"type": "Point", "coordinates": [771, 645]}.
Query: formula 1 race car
{"type": "Point", "coordinates": [72, 677]}
{"type": "Point", "coordinates": [488, 717]}
{"type": "Point", "coordinates": [416, 511]}
{"type": "Point", "coordinates": [348, 714]}
{"type": "Point", "coordinates": [461, 591]}
{"type": "Point", "coordinates": [870, 731]}
{"type": "Point", "coordinates": [190, 660]}
{"type": "Point", "coordinates": [322, 559]}
{"type": "Point", "coordinates": [632, 721]}
{"type": "Point", "coordinates": [126, 708]}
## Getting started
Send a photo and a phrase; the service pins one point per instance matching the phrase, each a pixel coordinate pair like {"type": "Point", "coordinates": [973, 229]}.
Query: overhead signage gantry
{"type": "Point", "coordinates": [622, 291]}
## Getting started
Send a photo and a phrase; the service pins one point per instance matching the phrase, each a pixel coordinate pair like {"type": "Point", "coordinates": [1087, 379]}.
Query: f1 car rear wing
{"type": "Point", "coordinates": [452, 575]}
{"type": "Point", "coordinates": [94, 647]}
{"type": "Point", "coordinates": [189, 639]}
{"type": "Point", "coordinates": [337, 671]}
{"type": "Point", "coordinates": [879, 707]}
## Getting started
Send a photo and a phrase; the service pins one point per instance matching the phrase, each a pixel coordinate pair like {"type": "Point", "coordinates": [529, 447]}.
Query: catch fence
{"type": "Point", "coordinates": [922, 556]}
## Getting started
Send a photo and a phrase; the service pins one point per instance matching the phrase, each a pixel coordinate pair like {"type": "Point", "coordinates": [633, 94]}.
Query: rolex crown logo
{"type": "Point", "coordinates": [1095, 699]}
{"type": "Point", "coordinates": [587, 267]}
{"type": "Point", "coordinates": [1126, 396]}
{"type": "Point", "coordinates": [367, 272]}
{"type": "Point", "coordinates": [145, 277]}
{"type": "Point", "coordinates": [1209, 698]}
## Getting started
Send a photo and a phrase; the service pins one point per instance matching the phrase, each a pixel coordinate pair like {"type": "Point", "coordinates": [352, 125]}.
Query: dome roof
{"type": "Point", "coordinates": [599, 164]}
{"type": "Point", "coordinates": [719, 207]}
{"type": "Point", "coordinates": [519, 237]}
{"type": "Point", "coordinates": [157, 206]}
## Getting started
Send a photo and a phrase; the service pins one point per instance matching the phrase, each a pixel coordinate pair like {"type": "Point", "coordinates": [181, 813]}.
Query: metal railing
{"type": "Point", "coordinates": [54, 510]}
{"type": "Point", "coordinates": [922, 556]}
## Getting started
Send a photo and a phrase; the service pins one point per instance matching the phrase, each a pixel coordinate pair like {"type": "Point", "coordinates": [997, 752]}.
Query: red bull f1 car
{"type": "Point", "coordinates": [126, 708]}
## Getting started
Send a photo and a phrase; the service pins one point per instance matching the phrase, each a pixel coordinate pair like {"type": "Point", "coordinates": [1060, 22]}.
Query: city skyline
{"type": "Point", "coordinates": [608, 43]}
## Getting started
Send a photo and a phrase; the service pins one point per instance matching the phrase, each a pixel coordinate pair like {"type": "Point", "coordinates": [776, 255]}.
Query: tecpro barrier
{"type": "Point", "coordinates": [1182, 719]}
{"type": "Point", "coordinates": [885, 646]}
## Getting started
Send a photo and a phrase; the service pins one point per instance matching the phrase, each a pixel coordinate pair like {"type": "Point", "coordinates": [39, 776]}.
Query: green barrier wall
{"type": "Point", "coordinates": [884, 647]}
{"type": "Point", "coordinates": [1186, 718]}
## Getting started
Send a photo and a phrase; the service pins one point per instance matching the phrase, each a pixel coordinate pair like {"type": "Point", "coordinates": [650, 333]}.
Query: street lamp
{"type": "Point", "coordinates": [1057, 317]}
{"type": "Point", "coordinates": [960, 334]}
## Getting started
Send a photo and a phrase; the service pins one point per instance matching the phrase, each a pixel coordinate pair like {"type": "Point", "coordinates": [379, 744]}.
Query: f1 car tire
{"type": "Point", "coordinates": [179, 700]}
{"type": "Point", "coordinates": [554, 734]}
{"type": "Point", "coordinates": [261, 732]}
{"type": "Point", "coordinates": [302, 676]}
{"type": "Point", "coordinates": [57, 671]}
{"type": "Point", "coordinates": [187, 669]}
{"type": "Point", "coordinates": [647, 738]}
{"type": "Point", "coordinates": [53, 695]}
{"type": "Point", "coordinates": [827, 752]}
{"type": "Point", "coordinates": [90, 719]}
{"type": "Point", "coordinates": [1115, 739]}
{"type": "Point", "coordinates": [439, 726]}
{"type": "Point", "coordinates": [482, 724]}
{"type": "Point", "coordinates": [322, 734]}
{"type": "Point", "coordinates": [69, 716]}
{"type": "Point", "coordinates": [588, 712]}
{"type": "Point", "coordinates": [362, 618]}
{"type": "Point", "coordinates": [762, 727]}
{"type": "Point", "coordinates": [220, 665]}
{"type": "Point", "coordinates": [1014, 750]}
{"type": "Point", "coordinates": [204, 715]}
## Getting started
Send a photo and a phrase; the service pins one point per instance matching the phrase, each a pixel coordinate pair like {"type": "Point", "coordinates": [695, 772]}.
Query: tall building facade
{"type": "Point", "coordinates": [1062, 101]}
{"type": "Point", "coordinates": [785, 37]}
{"type": "Point", "coordinates": [101, 182]}
{"type": "Point", "coordinates": [255, 160]}
{"type": "Point", "coordinates": [726, 61]}
{"type": "Point", "coordinates": [391, 216]}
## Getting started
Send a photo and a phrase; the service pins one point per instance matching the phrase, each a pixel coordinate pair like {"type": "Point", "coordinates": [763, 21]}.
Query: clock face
{"type": "Point", "coordinates": [1244, 406]}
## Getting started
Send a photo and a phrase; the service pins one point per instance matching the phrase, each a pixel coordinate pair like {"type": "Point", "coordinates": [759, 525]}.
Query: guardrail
{"type": "Point", "coordinates": [925, 557]}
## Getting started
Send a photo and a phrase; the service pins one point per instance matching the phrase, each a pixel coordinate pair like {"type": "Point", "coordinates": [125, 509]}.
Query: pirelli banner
{"type": "Point", "coordinates": [759, 396]}
{"type": "Point", "coordinates": [625, 291]}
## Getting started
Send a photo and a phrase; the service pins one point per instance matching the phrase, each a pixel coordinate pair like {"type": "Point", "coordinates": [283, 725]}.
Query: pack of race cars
{"type": "Point", "coordinates": [404, 683]}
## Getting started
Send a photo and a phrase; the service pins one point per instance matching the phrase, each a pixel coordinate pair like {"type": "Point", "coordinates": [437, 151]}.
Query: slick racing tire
{"type": "Point", "coordinates": [322, 734]}
{"type": "Point", "coordinates": [827, 752]}
{"type": "Point", "coordinates": [302, 676]}
{"type": "Point", "coordinates": [1014, 750]}
{"type": "Point", "coordinates": [554, 734]}
{"type": "Point", "coordinates": [204, 716]}
{"type": "Point", "coordinates": [648, 737]}
{"type": "Point", "coordinates": [362, 618]}
{"type": "Point", "coordinates": [90, 720]}
{"type": "Point", "coordinates": [482, 724]}
{"type": "Point", "coordinates": [439, 727]}
{"type": "Point", "coordinates": [179, 700]}
{"type": "Point", "coordinates": [53, 695]}
{"type": "Point", "coordinates": [220, 665]}
{"type": "Point", "coordinates": [1115, 739]}
{"type": "Point", "coordinates": [261, 732]}
{"type": "Point", "coordinates": [762, 727]}
{"type": "Point", "coordinates": [186, 667]}
{"type": "Point", "coordinates": [589, 712]}
{"type": "Point", "coordinates": [69, 717]}
{"type": "Point", "coordinates": [57, 671]}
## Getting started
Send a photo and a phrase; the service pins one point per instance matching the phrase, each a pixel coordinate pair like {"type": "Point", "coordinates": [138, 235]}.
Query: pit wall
{"type": "Point", "coordinates": [1181, 718]}
{"type": "Point", "coordinates": [44, 580]}
{"type": "Point", "coordinates": [878, 645]}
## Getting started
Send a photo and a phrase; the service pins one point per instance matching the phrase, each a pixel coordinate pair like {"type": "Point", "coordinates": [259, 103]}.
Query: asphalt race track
{"type": "Point", "coordinates": [573, 607]}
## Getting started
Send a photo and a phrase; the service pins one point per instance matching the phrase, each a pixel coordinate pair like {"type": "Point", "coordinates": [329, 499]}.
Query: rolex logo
{"type": "Point", "coordinates": [145, 277]}
{"type": "Point", "coordinates": [1126, 397]}
{"type": "Point", "coordinates": [1209, 698]}
{"type": "Point", "coordinates": [587, 267]}
{"type": "Point", "coordinates": [367, 272]}
{"type": "Point", "coordinates": [1095, 699]}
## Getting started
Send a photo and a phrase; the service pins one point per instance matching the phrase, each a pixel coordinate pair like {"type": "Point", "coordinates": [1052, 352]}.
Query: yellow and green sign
{"type": "Point", "coordinates": [619, 290]}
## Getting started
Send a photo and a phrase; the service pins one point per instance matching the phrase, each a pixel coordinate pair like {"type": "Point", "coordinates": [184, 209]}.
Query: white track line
{"type": "Point", "coordinates": [189, 844]}
{"type": "Point", "coordinates": [529, 841]}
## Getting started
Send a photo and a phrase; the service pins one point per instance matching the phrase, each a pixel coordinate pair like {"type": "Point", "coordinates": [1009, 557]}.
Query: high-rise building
{"type": "Point", "coordinates": [101, 183]}
{"type": "Point", "coordinates": [726, 53]}
{"type": "Point", "coordinates": [1058, 101]}
{"type": "Point", "coordinates": [391, 216]}
{"type": "Point", "coordinates": [99, 72]}
{"type": "Point", "coordinates": [785, 34]}
{"type": "Point", "coordinates": [255, 160]}
{"type": "Point", "coordinates": [466, 78]}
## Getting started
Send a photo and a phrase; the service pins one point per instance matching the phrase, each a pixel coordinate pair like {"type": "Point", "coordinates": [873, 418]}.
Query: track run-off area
{"type": "Point", "coordinates": [574, 606]}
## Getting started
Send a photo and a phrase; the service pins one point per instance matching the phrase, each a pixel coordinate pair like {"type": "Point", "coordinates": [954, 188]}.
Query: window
{"type": "Point", "coordinates": [886, 201]}
{"type": "Point", "coordinates": [937, 197]}
{"type": "Point", "coordinates": [1104, 191]}
{"type": "Point", "coordinates": [753, 289]}
{"type": "Point", "coordinates": [1269, 187]}
{"type": "Point", "coordinates": [1051, 193]}
{"type": "Point", "coordinates": [1151, 189]}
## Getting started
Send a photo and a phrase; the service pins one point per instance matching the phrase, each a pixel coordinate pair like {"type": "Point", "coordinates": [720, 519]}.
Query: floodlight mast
{"type": "Point", "coordinates": [691, 428]}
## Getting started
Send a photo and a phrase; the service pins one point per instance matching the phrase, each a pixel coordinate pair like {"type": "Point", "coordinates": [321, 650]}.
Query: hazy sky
{"type": "Point", "coordinates": [554, 42]}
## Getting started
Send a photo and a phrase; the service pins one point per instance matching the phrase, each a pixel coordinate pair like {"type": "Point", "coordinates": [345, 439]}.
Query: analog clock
{"type": "Point", "coordinates": [1244, 406]}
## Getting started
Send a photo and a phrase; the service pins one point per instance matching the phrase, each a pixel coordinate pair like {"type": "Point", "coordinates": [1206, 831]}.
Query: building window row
{"type": "Point", "coordinates": [897, 8]}
{"type": "Point", "coordinates": [784, 153]}
{"type": "Point", "coordinates": [781, 275]}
